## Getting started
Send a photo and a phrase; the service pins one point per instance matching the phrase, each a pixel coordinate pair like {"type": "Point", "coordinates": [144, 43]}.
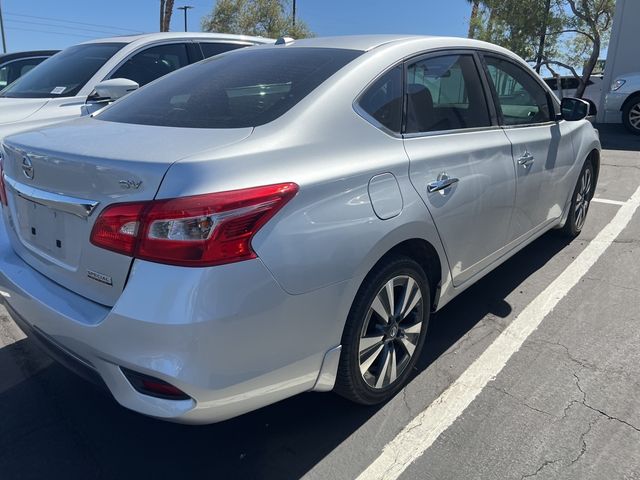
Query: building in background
{"type": "Point", "coordinates": [623, 55]}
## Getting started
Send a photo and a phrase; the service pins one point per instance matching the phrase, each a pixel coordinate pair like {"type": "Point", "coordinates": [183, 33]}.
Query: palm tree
{"type": "Point", "coordinates": [475, 7]}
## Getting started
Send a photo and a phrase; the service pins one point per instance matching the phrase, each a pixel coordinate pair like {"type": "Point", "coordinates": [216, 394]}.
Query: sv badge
{"type": "Point", "coordinates": [128, 184]}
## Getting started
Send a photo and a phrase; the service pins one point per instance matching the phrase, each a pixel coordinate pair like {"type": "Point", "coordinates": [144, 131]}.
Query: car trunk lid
{"type": "Point", "coordinates": [60, 178]}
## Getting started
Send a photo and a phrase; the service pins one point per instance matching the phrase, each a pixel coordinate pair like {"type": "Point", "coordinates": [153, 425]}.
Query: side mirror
{"type": "Point", "coordinates": [574, 109]}
{"type": "Point", "coordinates": [115, 88]}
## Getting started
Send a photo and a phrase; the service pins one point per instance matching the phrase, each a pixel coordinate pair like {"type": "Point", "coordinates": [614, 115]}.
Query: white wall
{"type": "Point", "coordinates": [623, 55]}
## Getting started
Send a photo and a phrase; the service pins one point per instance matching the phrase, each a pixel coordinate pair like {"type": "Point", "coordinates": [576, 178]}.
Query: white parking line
{"type": "Point", "coordinates": [424, 429]}
{"type": "Point", "coordinates": [606, 200]}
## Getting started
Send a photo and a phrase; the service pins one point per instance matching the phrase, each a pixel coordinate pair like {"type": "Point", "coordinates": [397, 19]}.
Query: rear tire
{"type": "Point", "coordinates": [382, 339]}
{"type": "Point", "coordinates": [580, 201]}
{"type": "Point", "coordinates": [631, 115]}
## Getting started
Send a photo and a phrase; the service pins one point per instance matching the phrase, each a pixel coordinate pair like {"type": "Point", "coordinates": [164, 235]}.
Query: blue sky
{"type": "Point", "coordinates": [41, 24]}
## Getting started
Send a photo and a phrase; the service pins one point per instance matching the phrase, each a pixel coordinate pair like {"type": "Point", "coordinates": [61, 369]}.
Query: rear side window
{"type": "Point", "coordinates": [211, 49]}
{"type": "Point", "coordinates": [153, 63]}
{"type": "Point", "coordinates": [445, 93]}
{"type": "Point", "coordinates": [246, 88]}
{"type": "Point", "coordinates": [521, 99]}
{"type": "Point", "coordinates": [383, 100]}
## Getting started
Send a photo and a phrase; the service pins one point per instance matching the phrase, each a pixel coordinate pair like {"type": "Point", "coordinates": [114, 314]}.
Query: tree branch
{"type": "Point", "coordinates": [548, 62]}
{"type": "Point", "coordinates": [573, 30]}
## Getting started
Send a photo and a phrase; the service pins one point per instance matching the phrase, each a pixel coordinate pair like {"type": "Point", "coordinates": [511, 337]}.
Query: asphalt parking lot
{"type": "Point", "coordinates": [564, 405]}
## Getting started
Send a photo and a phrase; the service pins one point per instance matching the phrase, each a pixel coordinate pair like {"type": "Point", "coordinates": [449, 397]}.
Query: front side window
{"type": "Point", "coordinates": [383, 100]}
{"type": "Point", "coordinates": [246, 88]}
{"type": "Point", "coordinates": [445, 93]}
{"type": "Point", "coordinates": [153, 63]}
{"type": "Point", "coordinates": [64, 74]}
{"type": "Point", "coordinates": [521, 100]}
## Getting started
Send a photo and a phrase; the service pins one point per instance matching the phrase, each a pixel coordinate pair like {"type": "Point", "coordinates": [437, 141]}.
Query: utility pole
{"type": "Point", "coordinates": [294, 13]}
{"type": "Point", "coordinates": [185, 8]}
{"type": "Point", "coordinates": [4, 40]}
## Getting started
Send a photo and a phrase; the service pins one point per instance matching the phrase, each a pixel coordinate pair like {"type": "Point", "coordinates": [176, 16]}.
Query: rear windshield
{"type": "Point", "coordinates": [245, 88]}
{"type": "Point", "coordinates": [64, 74]}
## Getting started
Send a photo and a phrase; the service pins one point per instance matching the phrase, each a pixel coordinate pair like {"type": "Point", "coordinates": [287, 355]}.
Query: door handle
{"type": "Point", "coordinates": [441, 184]}
{"type": "Point", "coordinates": [526, 160]}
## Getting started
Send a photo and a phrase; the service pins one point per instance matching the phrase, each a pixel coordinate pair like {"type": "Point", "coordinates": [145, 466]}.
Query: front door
{"type": "Point", "coordinates": [527, 114]}
{"type": "Point", "coordinates": [460, 164]}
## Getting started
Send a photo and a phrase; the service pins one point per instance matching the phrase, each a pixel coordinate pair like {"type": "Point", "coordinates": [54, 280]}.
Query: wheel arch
{"type": "Point", "coordinates": [423, 252]}
{"type": "Point", "coordinates": [629, 99]}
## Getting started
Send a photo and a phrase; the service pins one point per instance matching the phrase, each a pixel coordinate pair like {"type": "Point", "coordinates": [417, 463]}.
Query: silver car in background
{"type": "Point", "coordinates": [284, 218]}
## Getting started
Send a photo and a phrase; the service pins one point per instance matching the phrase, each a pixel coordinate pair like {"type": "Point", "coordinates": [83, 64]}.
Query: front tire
{"type": "Point", "coordinates": [582, 195]}
{"type": "Point", "coordinates": [385, 332]}
{"type": "Point", "coordinates": [631, 115]}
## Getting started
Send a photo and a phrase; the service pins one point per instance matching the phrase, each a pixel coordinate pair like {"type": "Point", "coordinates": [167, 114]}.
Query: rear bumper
{"type": "Point", "coordinates": [228, 336]}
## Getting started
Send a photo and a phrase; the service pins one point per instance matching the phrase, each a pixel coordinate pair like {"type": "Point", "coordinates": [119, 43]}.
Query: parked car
{"type": "Point", "coordinates": [14, 65]}
{"type": "Point", "coordinates": [567, 86]}
{"type": "Point", "coordinates": [622, 103]}
{"type": "Point", "coordinates": [59, 88]}
{"type": "Point", "coordinates": [284, 218]}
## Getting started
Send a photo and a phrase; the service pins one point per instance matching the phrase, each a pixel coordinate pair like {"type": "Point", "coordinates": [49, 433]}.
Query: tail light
{"type": "Point", "coordinates": [200, 230]}
{"type": "Point", "coordinates": [3, 188]}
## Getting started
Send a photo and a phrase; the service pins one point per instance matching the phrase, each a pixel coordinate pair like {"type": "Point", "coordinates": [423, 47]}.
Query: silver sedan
{"type": "Point", "coordinates": [284, 218]}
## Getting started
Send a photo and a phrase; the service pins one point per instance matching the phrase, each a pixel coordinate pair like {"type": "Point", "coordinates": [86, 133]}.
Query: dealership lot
{"type": "Point", "coordinates": [564, 406]}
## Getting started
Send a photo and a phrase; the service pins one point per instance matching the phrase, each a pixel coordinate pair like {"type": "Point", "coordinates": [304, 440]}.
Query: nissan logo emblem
{"type": "Point", "coordinates": [27, 167]}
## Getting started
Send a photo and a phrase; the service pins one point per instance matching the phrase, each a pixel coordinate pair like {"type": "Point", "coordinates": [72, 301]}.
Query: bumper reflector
{"type": "Point", "coordinates": [153, 387]}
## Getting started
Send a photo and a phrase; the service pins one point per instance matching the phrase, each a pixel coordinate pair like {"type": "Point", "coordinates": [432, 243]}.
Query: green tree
{"type": "Point", "coordinates": [265, 18]}
{"type": "Point", "coordinates": [519, 25]}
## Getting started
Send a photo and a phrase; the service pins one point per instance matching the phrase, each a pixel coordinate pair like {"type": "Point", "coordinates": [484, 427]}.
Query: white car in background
{"type": "Point", "coordinates": [567, 86]}
{"type": "Point", "coordinates": [94, 72]}
{"type": "Point", "coordinates": [622, 103]}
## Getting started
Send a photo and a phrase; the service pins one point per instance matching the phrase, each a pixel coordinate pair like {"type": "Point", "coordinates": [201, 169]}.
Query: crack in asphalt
{"type": "Point", "coordinates": [544, 465]}
{"type": "Point", "coordinates": [582, 362]}
{"type": "Point", "coordinates": [597, 410]}
{"type": "Point", "coordinates": [519, 400]}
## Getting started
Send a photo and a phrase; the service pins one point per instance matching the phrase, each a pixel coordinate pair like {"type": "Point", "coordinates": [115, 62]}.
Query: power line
{"type": "Point", "coordinates": [73, 22]}
{"type": "Point", "coordinates": [53, 33]}
{"type": "Point", "coordinates": [26, 22]}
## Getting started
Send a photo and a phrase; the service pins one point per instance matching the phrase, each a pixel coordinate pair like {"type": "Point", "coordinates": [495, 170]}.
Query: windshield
{"type": "Point", "coordinates": [64, 74]}
{"type": "Point", "coordinates": [244, 88]}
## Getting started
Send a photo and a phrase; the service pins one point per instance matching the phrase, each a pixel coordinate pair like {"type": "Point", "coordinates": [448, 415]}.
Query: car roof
{"type": "Point", "coordinates": [152, 37]}
{"type": "Point", "coordinates": [370, 42]}
{"type": "Point", "coordinates": [27, 54]}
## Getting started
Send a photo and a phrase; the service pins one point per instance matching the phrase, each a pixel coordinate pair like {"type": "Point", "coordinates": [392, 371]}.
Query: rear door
{"type": "Point", "coordinates": [460, 160]}
{"type": "Point", "coordinates": [540, 150]}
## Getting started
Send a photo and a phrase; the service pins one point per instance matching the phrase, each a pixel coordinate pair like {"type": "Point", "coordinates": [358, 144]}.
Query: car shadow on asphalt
{"type": "Point", "coordinates": [55, 425]}
{"type": "Point", "coordinates": [616, 137]}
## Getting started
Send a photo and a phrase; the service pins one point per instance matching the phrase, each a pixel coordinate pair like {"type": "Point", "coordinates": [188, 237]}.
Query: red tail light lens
{"type": "Point", "coordinates": [201, 230]}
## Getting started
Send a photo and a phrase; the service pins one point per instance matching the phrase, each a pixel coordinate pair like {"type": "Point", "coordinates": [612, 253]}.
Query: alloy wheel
{"type": "Point", "coordinates": [391, 331]}
{"type": "Point", "coordinates": [634, 116]}
{"type": "Point", "coordinates": [583, 197]}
